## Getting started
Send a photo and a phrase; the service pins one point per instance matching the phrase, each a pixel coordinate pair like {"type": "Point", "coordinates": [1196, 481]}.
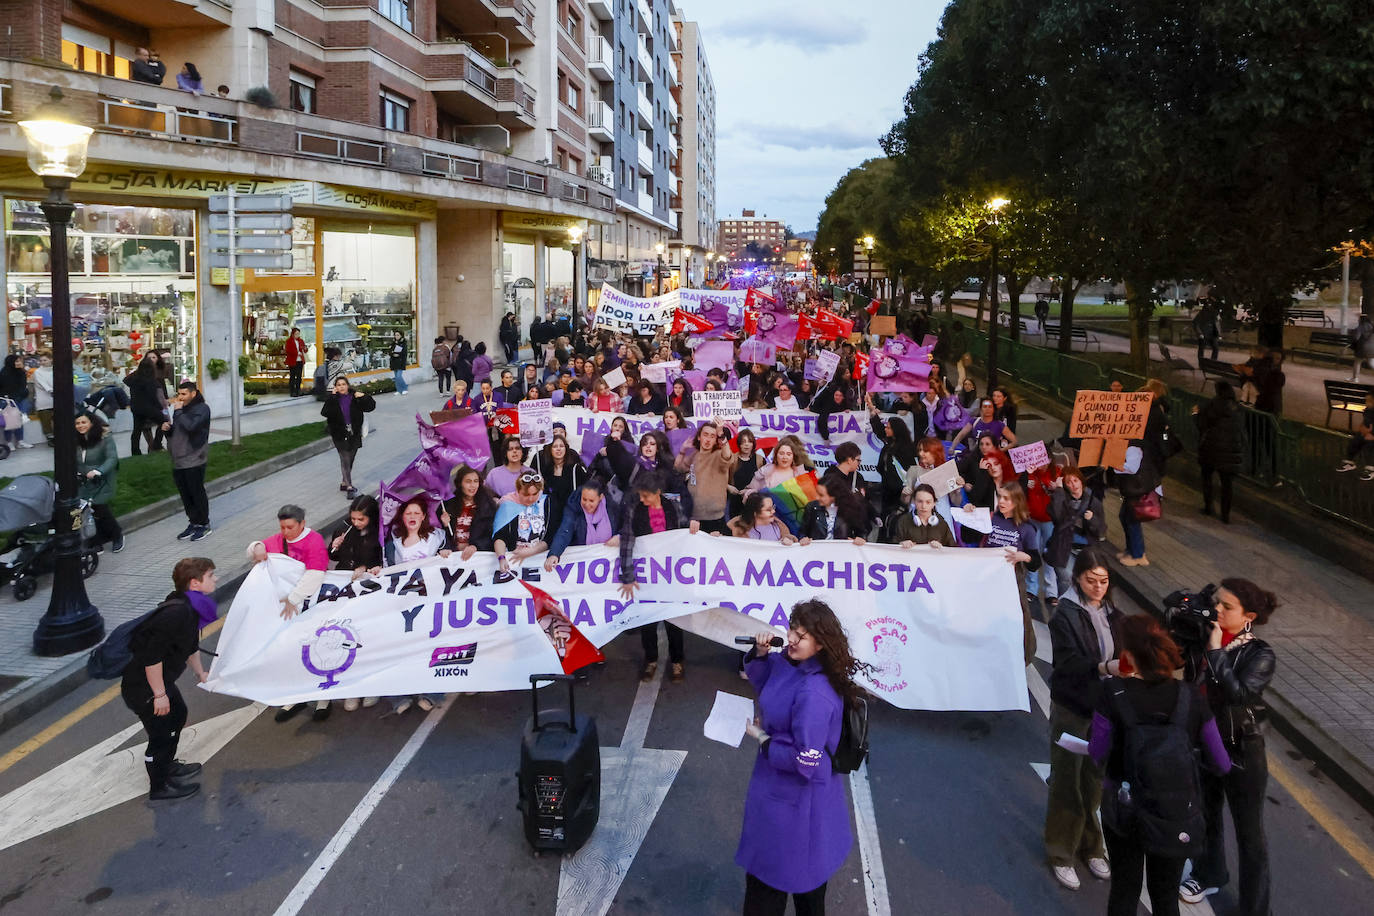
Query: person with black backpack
{"type": "Point", "coordinates": [1148, 731]}
{"type": "Point", "coordinates": [161, 647]}
{"type": "Point", "coordinates": [441, 361]}
{"type": "Point", "coordinates": [806, 693]}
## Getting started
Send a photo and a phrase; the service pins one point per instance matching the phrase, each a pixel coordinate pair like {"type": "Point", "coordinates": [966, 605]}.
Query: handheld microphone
{"type": "Point", "coordinates": [776, 642]}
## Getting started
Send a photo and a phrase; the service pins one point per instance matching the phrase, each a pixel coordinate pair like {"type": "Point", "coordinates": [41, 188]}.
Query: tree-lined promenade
{"type": "Point", "coordinates": [1228, 143]}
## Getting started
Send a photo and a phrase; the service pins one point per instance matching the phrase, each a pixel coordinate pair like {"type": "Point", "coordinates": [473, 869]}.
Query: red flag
{"type": "Point", "coordinates": [574, 650]}
{"type": "Point", "coordinates": [860, 366]}
{"type": "Point", "coordinates": [688, 321]}
{"type": "Point", "coordinates": [751, 322]}
{"type": "Point", "coordinates": [842, 327]}
{"type": "Point", "coordinates": [505, 420]}
{"type": "Point", "coordinates": [809, 328]}
{"type": "Point", "coordinates": [756, 298]}
{"type": "Point", "coordinates": [873, 307]}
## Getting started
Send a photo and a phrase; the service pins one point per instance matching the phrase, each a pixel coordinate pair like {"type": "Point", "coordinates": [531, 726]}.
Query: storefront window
{"type": "Point", "coordinates": [369, 293]}
{"type": "Point", "coordinates": [267, 322]}
{"type": "Point", "coordinates": [558, 282]}
{"type": "Point", "coordinates": [133, 288]}
{"type": "Point", "coordinates": [517, 270]}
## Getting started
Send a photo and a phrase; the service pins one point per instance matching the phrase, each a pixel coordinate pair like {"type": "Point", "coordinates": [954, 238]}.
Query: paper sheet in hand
{"type": "Point", "coordinates": [615, 378]}
{"type": "Point", "coordinates": [1073, 744]}
{"type": "Point", "coordinates": [979, 519]}
{"type": "Point", "coordinates": [728, 718]}
{"type": "Point", "coordinates": [942, 480]}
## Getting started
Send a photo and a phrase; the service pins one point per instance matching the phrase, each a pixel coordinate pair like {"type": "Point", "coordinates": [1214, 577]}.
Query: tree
{"type": "Point", "coordinates": [756, 252]}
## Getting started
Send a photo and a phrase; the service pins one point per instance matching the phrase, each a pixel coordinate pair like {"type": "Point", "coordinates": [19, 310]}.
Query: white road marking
{"type": "Point", "coordinates": [634, 782]}
{"type": "Point", "coordinates": [345, 834]}
{"type": "Point", "coordinates": [1044, 646]}
{"type": "Point", "coordinates": [870, 852]}
{"type": "Point", "coordinates": [101, 777]}
{"type": "Point", "coordinates": [1039, 689]}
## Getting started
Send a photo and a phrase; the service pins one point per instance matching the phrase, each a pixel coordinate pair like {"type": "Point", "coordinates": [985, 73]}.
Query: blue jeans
{"type": "Point", "coordinates": [1134, 531]}
{"type": "Point", "coordinates": [400, 376]}
{"type": "Point", "coordinates": [1033, 577]}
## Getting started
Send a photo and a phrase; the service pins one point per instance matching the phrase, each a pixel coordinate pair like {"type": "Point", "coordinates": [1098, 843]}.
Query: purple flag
{"type": "Point", "coordinates": [778, 328]}
{"type": "Point", "coordinates": [899, 365]}
{"type": "Point", "coordinates": [714, 354]}
{"type": "Point", "coordinates": [696, 378]}
{"type": "Point", "coordinates": [723, 320]}
{"type": "Point", "coordinates": [756, 350]}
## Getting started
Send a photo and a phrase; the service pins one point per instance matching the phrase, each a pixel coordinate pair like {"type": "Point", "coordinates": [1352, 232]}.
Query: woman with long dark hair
{"type": "Point", "coordinates": [14, 385]}
{"type": "Point", "coordinates": [1147, 696]}
{"type": "Point", "coordinates": [467, 517]}
{"type": "Point", "coordinates": [748, 460]}
{"type": "Point", "coordinates": [147, 403]}
{"type": "Point", "coordinates": [563, 473]}
{"type": "Point", "coordinates": [796, 815]}
{"type": "Point", "coordinates": [97, 467]}
{"type": "Point", "coordinates": [345, 413]}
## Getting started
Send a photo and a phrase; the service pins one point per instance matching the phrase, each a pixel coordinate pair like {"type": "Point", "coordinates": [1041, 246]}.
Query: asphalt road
{"type": "Point", "coordinates": [958, 814]}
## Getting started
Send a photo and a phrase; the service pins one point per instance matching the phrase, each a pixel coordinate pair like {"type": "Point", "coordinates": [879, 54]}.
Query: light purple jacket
{"type": "Point", "coordinates": [796, 815]}
{"type": "Point", "coordinates": [481, 368]}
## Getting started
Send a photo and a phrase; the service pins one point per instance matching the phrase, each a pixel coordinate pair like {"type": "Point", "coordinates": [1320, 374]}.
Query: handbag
{"type": "Point", "coordinates": [1147, 508]}
{"type": "Point", "coordinates": [12, 416]}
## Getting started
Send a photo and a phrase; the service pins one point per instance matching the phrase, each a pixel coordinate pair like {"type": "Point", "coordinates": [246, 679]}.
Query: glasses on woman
{"type": "Point", "coordinates": [530, 477]}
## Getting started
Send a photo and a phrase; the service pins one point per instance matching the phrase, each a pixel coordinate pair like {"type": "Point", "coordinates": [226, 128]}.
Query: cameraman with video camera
{"type": "Point", "coordinates": [1233, 667]}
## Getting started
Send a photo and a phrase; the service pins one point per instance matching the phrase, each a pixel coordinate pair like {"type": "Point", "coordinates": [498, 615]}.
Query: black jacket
{"type": "Point", "coordinates": [168, 637]}
{"type": "Point", "coordinates": [1074, 682]}
{"type": "Point", "coordinates": [480, 534]}
{"type": "Point", "coordinates": [398, 351]}
{"type": "Point", "coordinates": [1221, 435]}
{"type": "Point", "coordinates": [1067, 521]}
{"type": "Point", "coordinates": [359, 549]}
{"type": "Point", "coordinates": [813, 525]}
{"type": "Point", "coordinates": [333, 416]}
{"type": "Point", "coordinates": [636, 525]}
{"type": "Point", "coordinates": [1234, 682]}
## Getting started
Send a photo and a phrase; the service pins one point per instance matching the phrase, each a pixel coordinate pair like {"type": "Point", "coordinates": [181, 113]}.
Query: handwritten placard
{"type": "Point", "coordinates": [1029, 457]}
{"type": "Point", "coordinates": [1110, 414]}
{"type": "Point", "coordinates": [827, 361]}
{"type": "Point", "coordinates": [721, 406]}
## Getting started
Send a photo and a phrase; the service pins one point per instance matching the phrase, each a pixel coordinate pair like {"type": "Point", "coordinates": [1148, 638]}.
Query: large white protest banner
{"type": "Point", "coordinates": [696, 300]}
{"type": "Point", "coordinates": [851, 426]}
{"type": "Point", "coordinates": [622, 312]}
{"type": "Point", "coordinates": [941, 629]}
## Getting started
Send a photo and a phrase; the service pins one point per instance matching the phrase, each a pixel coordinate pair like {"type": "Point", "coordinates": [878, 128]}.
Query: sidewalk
{"type": "Point", "coordinates": [129, 583]}
{"type": "Point", "coordinates": [1323, 632]}
{"type": "Point", "coordinates": [1304, 398]}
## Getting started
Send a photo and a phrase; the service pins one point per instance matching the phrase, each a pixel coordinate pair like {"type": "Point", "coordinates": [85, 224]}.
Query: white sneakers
{"type": "Point", "coordinates": [1100, 869]}
{"type": "Point", "coordinates": [1067, 876]}
{"type": "Point", "coordinates": [425, 704]}
{"type": "Point", "coordinates": [1346, 465]}
{"type": "Point", "coordinates": [351, 705]}
{"type": "Point", "coordinates": [1192, 891]}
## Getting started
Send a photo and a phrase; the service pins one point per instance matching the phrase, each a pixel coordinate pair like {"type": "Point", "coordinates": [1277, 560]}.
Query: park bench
{"type": "Point", "coordinates": [1075, 334]}
{"type": "Point", "coordinates": [1346, 396]}
{"type": "Point", "coordinates": [1317, 315]}
{"type": "Point", "coordinates": [1219, 369]}
{"type": "Point", "coordinates": [1327, 346]}
{"type": "Point", "coordinates": [1176, 362]}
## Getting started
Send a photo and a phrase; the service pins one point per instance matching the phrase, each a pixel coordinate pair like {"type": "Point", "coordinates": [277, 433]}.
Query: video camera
{"type": "Point", "coordinates": [1189, 616]}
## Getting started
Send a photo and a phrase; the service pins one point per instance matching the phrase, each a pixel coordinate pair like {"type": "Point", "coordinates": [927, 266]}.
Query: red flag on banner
{"type": "Point", "coordinates": [505, 420]}
{"type": "Point", "coordinates": [873, 306]}
{"type": "Point", "coordinates": [751, 322]}
{"type": "Point", "coordinates": [842, 327]}
{"type": "Point", "coordinates": [688, 321]}
{"type": "Point", "coordinates": [575, 651]}
{"type": "Point", "coordinates": [809, 328]}
{"type": "Point", "coordinates": [860, 366]}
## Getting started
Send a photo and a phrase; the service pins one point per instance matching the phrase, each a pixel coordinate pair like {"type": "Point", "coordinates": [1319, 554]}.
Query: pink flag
{"type": "Point", "coordinates": [899, 365]}
{"type": "Point", "coordinates": [714, 354]}
{"type": "Point", "coordinates": [464, 439]}
{"type": "Point", "coordinates": [778, 328]}
{"type": "Point", "coordinates": [755, 350]}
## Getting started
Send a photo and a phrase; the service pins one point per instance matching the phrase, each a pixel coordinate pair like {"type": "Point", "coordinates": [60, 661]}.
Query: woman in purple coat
{"type": "Point", "coordinates": [796, 816]}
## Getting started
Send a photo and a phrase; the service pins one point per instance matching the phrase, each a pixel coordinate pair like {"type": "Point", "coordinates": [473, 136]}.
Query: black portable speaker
{"type": "Point", "coordinates": [560, 774]}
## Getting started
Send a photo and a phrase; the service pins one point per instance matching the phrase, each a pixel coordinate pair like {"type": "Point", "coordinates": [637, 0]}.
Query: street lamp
{"type": "Point", "coordinates": [57, 154]}
{"type": "Point", "coordinates": [575, 235]}
{"type": "Point", "coordinates": [869, 242]}
{"type": "Point", "coordinates": [995, 207]}
{"type": "Point", "coordinates": [658, 274]}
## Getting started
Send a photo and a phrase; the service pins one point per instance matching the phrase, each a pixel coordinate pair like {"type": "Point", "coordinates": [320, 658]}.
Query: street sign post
{"type": "Point", "coordinates": [246, 231]}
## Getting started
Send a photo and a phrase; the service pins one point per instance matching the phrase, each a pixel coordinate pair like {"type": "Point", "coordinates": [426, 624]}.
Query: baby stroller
{"type": "Point", "coordinates": [26, 512]}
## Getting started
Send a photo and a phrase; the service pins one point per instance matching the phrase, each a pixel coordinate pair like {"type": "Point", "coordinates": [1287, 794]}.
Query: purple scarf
{"type": "Point", "coordinates": [205, 607]}
{"type": "Point", "coordinates": [598, 524]}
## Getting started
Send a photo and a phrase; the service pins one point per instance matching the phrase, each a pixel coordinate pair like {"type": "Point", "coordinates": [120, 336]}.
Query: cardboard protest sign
{"type": "Point", "coordinates": [615, 378]}
{"type": "Point", "coordinates": [1110, 414]}
{"type": "Point", "coordinates": [943, 479]}
{"type": "Point", "coordinates": [1029, 457]}
{"type": "Point", "coordinates": [883, 325]}
{"type": "Point", "coordinates": [658, 372]}
{"type": "Point", "coordinates": [536, 422]}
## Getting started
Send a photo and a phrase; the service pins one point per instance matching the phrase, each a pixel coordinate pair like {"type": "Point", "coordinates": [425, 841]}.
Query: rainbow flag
{"type": "Point", "coordinates": [791, 497]}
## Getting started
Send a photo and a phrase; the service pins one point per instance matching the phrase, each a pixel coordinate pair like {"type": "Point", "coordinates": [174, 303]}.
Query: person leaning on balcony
{"type": "Point", "coordinates": [148, 67]}
{"type": "Point", "coordinates": [188, 80]}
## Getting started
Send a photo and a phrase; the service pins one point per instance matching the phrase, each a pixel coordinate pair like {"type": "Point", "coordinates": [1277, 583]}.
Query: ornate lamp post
{"type": "Point", "coordinates": [995, 207]}
{"type": "Point", "coordinates": [57, 154]}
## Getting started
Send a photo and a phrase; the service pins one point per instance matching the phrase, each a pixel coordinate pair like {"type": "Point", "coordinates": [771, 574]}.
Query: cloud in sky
{"type": "Point", "coordinates": [828, 30]}
{"type": "Point", "coordinates": [804, 89]}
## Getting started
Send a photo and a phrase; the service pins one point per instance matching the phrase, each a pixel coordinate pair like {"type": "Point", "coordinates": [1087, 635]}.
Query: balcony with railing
{"type": "Point", "coordinates": [646, 201]}
{"type": "Point", "coordinates": [603, 175]}
{"type": "Point", "coordinates": [601, 122]}
{"type": "Point", "coordinates": [645, 158]}
{"type": "Point", "coordinates": [513, 19]}
{"type": "Point", "coordinates": [601, 59]}
{"type": "Point", "coordinates": [674, 113]}
{"type": "Point", "coordinates": [673, 148]}
{"type": "Point", "coordinates": [603, 10]}
{"type": "Point", "coordinates": [646, 14]}
{"type": "Point", "coordinates": [136, 123]}
{"type": "Point", "coordinates": [643, 105]}
{"type": "Point", "coordinates": [645, 58]}
{"type": "Point", "coordinates": [474, 90]}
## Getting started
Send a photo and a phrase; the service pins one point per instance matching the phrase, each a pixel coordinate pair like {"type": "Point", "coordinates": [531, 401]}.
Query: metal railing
{"type": "Point", "coordinates": [340, 148]}
{"type": "Point", "coordinates": [480, 78]}
{"type": "Point", "coordinates": [1285, 456]}
{"type": "Point", "coordinates": [452, 166]}
{"type": "Point", "coordinates": [526, 181]}
{"type": "Point", "coordinates": [574, 192]}
{"type": "Point", "coordinates": [166, 121]}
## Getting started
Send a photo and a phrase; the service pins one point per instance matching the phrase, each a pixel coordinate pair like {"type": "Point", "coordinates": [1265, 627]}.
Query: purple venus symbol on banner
{"type": "Point", "coordinates": [336, 647]}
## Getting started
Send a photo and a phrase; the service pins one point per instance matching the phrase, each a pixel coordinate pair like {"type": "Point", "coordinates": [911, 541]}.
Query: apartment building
{"type": "Point", "coordinates": [634, 144]}
{"type": "Point", "coordinates": [738, 231]}
{"type": "Point", "coordinates": [436, 152]}
{"type": "Point", "coordinates": [694, 174]}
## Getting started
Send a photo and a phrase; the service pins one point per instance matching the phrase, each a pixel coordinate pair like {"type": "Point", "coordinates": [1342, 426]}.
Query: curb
{"type": "Point", "coordinates": [52, 687]}
{"type": "Point", "coordinates": [1350, 774]}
